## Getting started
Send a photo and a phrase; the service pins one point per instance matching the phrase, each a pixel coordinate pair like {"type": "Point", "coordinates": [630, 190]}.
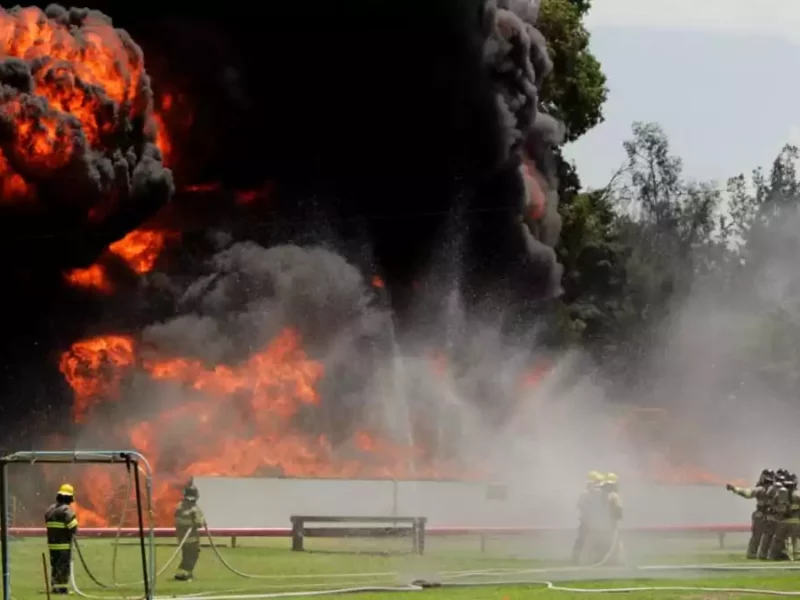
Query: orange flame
{"type": "Point", "coordinates": [162, 140]}
{"type": "Point", "coordinates": [202, 187]}
{"type": "Point", "coordinates": [141, 248]}
{"type": "Point", "coordinates": [92, 278]}
{"type": "Point", "coordinates": [535, 375]}
{"type": "Point", "coordinates": [237, 421]}
{"type": "Point", "coordinates": [72, 64]}
{"type": "Point", "coordinates": [536, 199]}
{"type": "Point", "coordinates": [91, 369]}
{"type": "Point", "coordinates": [172, 115]}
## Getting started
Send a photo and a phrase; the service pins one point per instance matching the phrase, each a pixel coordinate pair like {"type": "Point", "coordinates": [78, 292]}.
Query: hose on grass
{"type": "Point", "coordinates": [239, 573]}
{"type": "Point", "coordinates": [543, 583]}
{"type": "Point", "coordinates": [117, 585]}
{"type": "Point", "coordinates": [99, 583]}
{"type": "Point", "coordinates": [235, 571]}
{"type": "Point", "coordinates": [420, 585]}
{"type": "Point", "coordinates": [549, 585]}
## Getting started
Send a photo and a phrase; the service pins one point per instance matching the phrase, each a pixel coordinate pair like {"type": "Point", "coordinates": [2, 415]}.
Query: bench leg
{"type": "Point", "coordinates": [418, 536]}
{"type": "Point", "coordinates": [233, 541]}
{"type": "Point", "coordinates": [297, 536]}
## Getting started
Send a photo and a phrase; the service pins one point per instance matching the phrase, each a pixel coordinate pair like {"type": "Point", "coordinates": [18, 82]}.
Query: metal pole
{"type": "Point", "coordinates": [148, 481]}
{"type": "Point", "coordinates": [4, 532]}
{"type": "Point", "coordinates": [145, 571]}
{"type": "Point", "coordinates": [46, 578]}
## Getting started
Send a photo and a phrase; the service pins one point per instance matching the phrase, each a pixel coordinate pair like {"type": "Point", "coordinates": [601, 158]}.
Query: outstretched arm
{"type": "Point", "coordinates": [743, 492]}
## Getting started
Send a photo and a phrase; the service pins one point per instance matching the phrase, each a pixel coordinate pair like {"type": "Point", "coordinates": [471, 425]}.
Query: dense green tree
{"type": "Point", "coordinates": [576, 89]}
{"type": "Point", "coordinates": [593, 261]}
{"type": "Point", "coordinates": [634, 250]}
{"type": "Point", "coordinates": [763, 273]}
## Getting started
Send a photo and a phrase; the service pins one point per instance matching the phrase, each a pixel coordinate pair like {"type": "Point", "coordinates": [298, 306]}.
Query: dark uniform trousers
{"type": "Point", "coordinates": [586, 504]}
{"type": "Point", "coordinates": [787, 527]}
{"type": "Point", "coordinates": [767, 533]}
{"type": "Point", "coordinates": [61, 525]}
{"type": "Point", "coordinates": [580, 541]}
{"type": "Point", "coordinates": [189, 557]}
{"type": "Point", "coordinates": [757, 530]}
{"type": "Point", "coordinates": [771, 520]}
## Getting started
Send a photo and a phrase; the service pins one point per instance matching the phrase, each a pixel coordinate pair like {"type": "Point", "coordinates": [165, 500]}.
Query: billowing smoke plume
{"type": "Point", "coordinates": [516, 55]}
{"type": "Point", "coordinates": [252, 293]}
{"type": "Point", "coordinates": [79, 162]}
{"type": "Point", "coordinates": [252, 296]}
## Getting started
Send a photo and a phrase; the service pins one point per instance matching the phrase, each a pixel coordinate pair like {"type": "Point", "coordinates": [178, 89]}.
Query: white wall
{"type": "Point", "coordinates": [269, 502]}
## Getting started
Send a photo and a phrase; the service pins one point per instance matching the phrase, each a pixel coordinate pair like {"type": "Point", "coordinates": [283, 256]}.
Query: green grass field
{"type": "Point", "coordinates": [336, 564]}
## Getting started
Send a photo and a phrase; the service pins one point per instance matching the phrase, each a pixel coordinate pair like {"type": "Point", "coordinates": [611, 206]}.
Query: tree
{"type": "Point", "coordinates": [593, 261]}
{"type": "Point", "coordinates": [759, 203]}
{"type": "Point", "coordinates": [634, 249]}
{"type": "Point", "coordinates": [576, 89]}
{"type": "Point", "coordinates": [762, 233]}
{"type": "Point", "coordinates": [674, 221]}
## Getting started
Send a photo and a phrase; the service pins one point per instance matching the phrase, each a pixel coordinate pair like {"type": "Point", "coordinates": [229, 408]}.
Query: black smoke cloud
{"type": "Point", "coordinates": [435, 125]}
{"type": "Point", "coordinates": [391, 117]}
{"type": "Point", "coordinates": [250, 294]}
{"type": "Point", "coordinates": [515, 53]}
{"type": "Point", "coordinates": [84, 194]}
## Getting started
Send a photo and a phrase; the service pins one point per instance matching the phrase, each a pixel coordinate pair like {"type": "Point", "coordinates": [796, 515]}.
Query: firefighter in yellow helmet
{"type": "Point", "coordinates": [189, 519]}
{"type": "Point", "coordinates": [62, 525]}
{"type": "Point", "coordinates": [787, 526]}
{"type": "Point", "coordinates": [589, 496]}
{"type": "Point", "coordinates": [772, 497]}
{"type": "Point", "coordinates": [607, 547]}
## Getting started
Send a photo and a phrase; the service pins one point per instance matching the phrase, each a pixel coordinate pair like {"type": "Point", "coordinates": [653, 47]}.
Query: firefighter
{"type": "Point", "coordinates": [787, 526]}
{"type": "Point", "coordinates": [62, 525]}
{"type": "Point", "coordinates": [771, 519]}
{"type": "Point", "coordinates": [604, 515]}
{"type": "Point", "coordinates": [759, 516]}
{"type": "Point", "coordinates": [589, 495]}
{"type": "Point", "coordinates": [613, 505]}
{"type": "Point", "coordinates": [188, 518]}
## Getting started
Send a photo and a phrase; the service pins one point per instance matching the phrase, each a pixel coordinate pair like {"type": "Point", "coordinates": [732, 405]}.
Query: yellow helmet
{"type": "Point", "coordinates": [611, 478]}
{"type": "Point", "coordinates": [595, 476]}
{"type": "Point", "coordinates": [66, 490]}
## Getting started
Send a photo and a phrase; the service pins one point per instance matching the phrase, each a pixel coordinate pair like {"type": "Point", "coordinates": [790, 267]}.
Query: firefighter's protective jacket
{"type": "Point", "coordinates": [189, 517]}
{"type": "Point", "coordinates": [760, 493]}
{"type": "Point", "coordinates": [61, 524]}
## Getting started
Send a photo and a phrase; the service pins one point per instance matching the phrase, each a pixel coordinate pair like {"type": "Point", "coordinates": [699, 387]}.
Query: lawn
{"type": "Point", "coordinates": [338, 564]}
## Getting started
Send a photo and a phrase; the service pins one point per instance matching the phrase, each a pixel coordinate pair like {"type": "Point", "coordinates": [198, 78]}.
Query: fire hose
{"type": "Point", "coordinates": [235, 571]}
{"type": "Point", "coordinates": [420, 585]}
{"type": "Point", "coordinates": [114, 583]}
{"type": "Point", "coordinates": [232, 569]}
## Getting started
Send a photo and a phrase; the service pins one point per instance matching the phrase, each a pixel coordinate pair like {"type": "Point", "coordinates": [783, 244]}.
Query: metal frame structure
{"type": "Point", "coordinates": [130, 458]}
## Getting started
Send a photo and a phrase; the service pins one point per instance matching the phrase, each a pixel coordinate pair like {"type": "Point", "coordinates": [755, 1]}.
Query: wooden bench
{"type": "Point", "coordinates": [413, 527]}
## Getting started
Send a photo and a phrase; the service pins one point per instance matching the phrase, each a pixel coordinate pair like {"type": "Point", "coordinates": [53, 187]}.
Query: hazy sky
{"type": "Point", "coordinates": [721, 76]}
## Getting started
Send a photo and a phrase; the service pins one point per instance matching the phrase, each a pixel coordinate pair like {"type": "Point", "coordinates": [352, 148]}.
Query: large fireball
{"type": "Point", "coordinates": [77, 129]}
